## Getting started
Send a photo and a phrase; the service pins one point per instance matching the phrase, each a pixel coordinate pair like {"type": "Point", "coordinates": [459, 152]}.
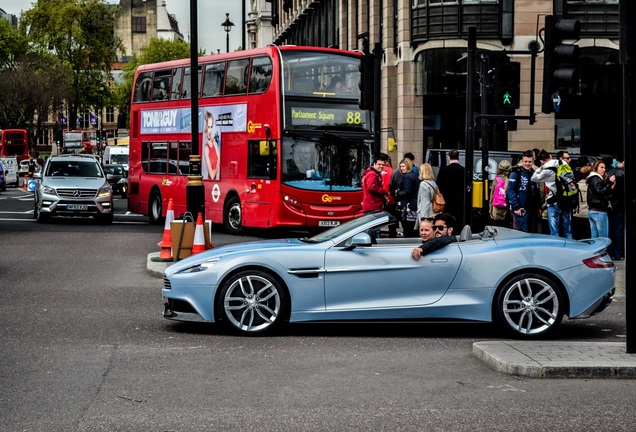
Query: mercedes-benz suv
{"type": "Point", "coordinates": [73, 185]}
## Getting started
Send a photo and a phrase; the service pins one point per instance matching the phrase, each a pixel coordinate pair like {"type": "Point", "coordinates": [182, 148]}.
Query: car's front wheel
{"type": "Point", "coordinates": [252, 302]}
{"type": "Point", "coordinates": [529, 305]}
{"type": "Point", "coordinates": [39, 216]}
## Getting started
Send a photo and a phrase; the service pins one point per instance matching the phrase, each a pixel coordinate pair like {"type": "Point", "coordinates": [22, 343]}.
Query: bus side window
{"type": "Point", "coordinates": [261, 74]}
{"type": "Point", "coordinates": [213, 79]}
{"type": "Point", "coordinates": [236, 77]}
{"type": "Point", "coordinates": [161, 85]}
{"type": "Point", "coordinates": [261, 160]}
{"type": "Point", "coordinates": [176, 84]}
{"type": "Point", "coordinates": [143, 86]}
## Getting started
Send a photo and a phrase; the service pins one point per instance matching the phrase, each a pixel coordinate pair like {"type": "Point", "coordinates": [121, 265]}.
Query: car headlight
{"type": "Point", "coordinates": [47, 190]}
{"type": "Point", "coordinates": [105, 191]}
{"type": "Point", "coordinates": [200, 266]}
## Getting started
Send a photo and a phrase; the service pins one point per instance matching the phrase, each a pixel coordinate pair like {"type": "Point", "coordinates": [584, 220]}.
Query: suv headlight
{"type": "Point", "coordinates": [105, 191]}
{"type": "Point", "coordinates": [47, 190]}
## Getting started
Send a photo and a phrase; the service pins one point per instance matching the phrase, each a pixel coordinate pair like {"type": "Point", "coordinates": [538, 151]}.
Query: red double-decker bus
{"type": "Point", "coordinates": [14, 143]}
{"type": "Point", "coordinates": [283, 142]}
{"type": "Point", "coordinates": [79, 141]}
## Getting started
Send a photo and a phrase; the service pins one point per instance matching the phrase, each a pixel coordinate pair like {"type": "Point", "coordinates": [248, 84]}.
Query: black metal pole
{"type": "Point", "coordinates": [628, 60]}
{"type": "Point", "coordinates": [227, 41]}
{"type": "Point", "coordinates": [243, 29]}
{"type": "Point", "coordinates": [470, 126]}
{"type": "Point", "coordinates": [484, 79]}
{"type": "Point", "coordinates": [195, 195]}
{"type": "Point", "coordinates": [377, 96]}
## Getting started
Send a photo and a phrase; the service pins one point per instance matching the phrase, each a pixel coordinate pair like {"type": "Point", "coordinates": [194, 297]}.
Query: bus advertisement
{"type": "Point", "coordinates": [14, 143]}
{"type": "Point", "coordinates": [283, 142]}
{"type": "Point", "coordinates": [79, 141]}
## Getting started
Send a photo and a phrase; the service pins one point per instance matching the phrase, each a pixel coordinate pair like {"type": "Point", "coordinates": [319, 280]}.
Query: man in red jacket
{"type": "Point", "coordinates": [374, 194]}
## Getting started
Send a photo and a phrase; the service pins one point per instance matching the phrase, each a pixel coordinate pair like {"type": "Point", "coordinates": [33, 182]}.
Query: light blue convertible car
{"type": "Point", "coordinates": [523, 282]}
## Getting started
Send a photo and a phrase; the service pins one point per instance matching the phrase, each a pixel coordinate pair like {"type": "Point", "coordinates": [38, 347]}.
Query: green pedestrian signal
{"type": "Point", "coordinates": [507, 80]}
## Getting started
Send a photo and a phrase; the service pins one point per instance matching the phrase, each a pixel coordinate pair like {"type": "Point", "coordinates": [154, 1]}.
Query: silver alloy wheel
{"type": "Point", "coordinates": [252, 303]}
{"type": "Point", "coordinates": [530, 305]}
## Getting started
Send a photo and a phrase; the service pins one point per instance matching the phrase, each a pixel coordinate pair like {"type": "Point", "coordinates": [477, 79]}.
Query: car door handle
{"type": "Point", "coordinates": [439, 260]}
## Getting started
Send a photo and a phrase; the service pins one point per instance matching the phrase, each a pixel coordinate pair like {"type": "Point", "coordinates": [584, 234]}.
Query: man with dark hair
{"type": "Point", "coordinates": [523, 194]}
{"type": "Point", "coordinates": [451, 180]}
{"type": "Point", "coordinates": [443, 225]}
{"type": "Point", "coordinates": [559, 220]}
{"type": "Point", "coordinates": [374, 196]}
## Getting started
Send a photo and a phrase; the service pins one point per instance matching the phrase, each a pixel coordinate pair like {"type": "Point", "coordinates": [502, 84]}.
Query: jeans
{"type": "Point", "coordinates": [560, 221]}
{"type": "Point", "coordinates": [617, 234]}
{"type": "Point", "coordinates": [527, 222]}
{"type": "Point", "coordinates": [599, 223]}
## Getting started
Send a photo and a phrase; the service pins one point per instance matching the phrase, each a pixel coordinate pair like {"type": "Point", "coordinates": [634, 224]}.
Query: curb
{"type": "Point", "coordinates": [540, 359]}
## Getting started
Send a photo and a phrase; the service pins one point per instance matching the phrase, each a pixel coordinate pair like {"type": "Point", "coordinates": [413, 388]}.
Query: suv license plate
{"type": "Point", "coordinates": [328, 223]}
{"type": "Point", "coordinates": [76, 207]}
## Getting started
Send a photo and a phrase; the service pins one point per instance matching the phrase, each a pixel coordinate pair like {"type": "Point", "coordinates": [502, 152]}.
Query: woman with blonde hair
{"type": "Point", "coordinates": [406, 196]}
{"type": "Point", "coordinates": [426, 192]}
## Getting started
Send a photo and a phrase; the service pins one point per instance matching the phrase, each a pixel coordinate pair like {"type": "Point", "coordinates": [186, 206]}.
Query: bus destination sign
{"type": "Point", "coordinates": [328, 117]}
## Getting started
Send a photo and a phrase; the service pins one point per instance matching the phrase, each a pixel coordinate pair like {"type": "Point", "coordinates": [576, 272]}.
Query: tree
{"type": "Point", "coordinates": [80, 34]}
{"type": "Point", "coordinates": [158, 50]}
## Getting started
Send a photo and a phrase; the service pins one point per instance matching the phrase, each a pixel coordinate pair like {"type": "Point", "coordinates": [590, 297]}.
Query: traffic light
{"type": "Point", "coordinates": [560, 61]}
{"type": "Point", "coordinates": [366, 82]}
{"type": "Point", "coordinates": [506, 88]}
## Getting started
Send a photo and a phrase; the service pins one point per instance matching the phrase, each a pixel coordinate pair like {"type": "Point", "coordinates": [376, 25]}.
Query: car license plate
{"type": "Point", "coordinates": [76, 207]}
{"type": "Point", "coordinates": [328, 223]}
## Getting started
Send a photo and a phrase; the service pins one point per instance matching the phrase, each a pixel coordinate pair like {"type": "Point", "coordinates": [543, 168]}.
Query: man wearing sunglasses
{"type": "Point", "coordinates": [442, 225]}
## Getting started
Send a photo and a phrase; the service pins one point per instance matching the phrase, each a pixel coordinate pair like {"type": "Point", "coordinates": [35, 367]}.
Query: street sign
{"type": "Point", "coordinates": [556, 100]}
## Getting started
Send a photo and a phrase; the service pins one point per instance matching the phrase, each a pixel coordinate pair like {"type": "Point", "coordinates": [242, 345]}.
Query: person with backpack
{"type": "Point", "coordinates": [523, 194]}
{"type": "Point", "coordinates": [499, 208]}
{"type": "Point", "coordinates": [599, 190]}
{"type": "Point", "coordinates": [562, 197]}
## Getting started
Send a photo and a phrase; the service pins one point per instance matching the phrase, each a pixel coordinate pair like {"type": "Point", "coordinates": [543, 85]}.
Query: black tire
{"type": "Point", "coordinates": [529, 306]}
{"type": "Point", "coordinates": [233, 216]}
{"type": "Point", "coordinates": [252, 302]}
{"type": "Point", "coordinates": [39, 216]}
{"type": "Point", "coordinates": [155, 208]}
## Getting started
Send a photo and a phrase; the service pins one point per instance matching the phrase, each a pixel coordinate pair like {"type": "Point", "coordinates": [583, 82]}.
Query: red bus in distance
{"type": "Point", "coordinates": [79, 141]}
{"type": "Point", "coordinates": [14, 143]}
{"type": "Point", "coordinates": [283, 142]}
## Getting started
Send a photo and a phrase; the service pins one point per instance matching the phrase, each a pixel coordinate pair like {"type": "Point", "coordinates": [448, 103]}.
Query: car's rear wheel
{"type": "Point", "coordinates": [252, 302]}
{"type": "Point", "coordinates": [529, 305]}
{"type": "Point", "coordinates": [233, 216]}
{"type": "Point", "coordinates": [155, 207]}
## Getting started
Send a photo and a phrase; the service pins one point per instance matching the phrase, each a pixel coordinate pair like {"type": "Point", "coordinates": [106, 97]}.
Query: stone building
{"type": "Point", "coordinates": [423, 45]}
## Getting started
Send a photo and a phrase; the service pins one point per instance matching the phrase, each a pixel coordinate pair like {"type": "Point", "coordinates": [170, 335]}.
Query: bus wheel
{"type": "Point", "coordinates": [155, 207]}
{"type": "Point", "coordinates": [232, 216]}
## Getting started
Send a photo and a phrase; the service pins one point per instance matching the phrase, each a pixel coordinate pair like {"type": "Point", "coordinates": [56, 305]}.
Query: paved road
{"type": "Point", "coordinates": [84, 347]}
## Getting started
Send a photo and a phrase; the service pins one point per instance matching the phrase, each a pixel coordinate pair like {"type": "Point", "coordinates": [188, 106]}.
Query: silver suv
{"type": "Point", "coordinates": [73, 185]}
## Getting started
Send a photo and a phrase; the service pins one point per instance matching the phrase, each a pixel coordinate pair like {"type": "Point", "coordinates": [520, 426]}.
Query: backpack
{"type": "Point", "coordinates": [499, 194]}
{"type": "Point", "coordinates": [567, 189]}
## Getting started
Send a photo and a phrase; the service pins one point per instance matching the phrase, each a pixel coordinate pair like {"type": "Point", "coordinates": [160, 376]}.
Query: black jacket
{"type": "Point", "coordinates": [598, 192]}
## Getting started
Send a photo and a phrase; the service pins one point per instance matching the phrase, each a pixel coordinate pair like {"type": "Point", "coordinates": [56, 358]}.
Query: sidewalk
{"type": "Point", "coordinates": [539, 359]}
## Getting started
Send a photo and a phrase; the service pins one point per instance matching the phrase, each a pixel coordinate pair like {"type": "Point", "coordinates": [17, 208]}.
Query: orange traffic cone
{"type": "Point", "coordinates": [198, 245]}
{"type": "Point", "coordinates": [24, 185]}
{"type": "Point", "coordinates": [166, 242]}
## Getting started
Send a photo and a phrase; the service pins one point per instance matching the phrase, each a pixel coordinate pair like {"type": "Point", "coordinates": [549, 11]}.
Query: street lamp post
{"type": "Point", "coordinates": [227, 26]}
{"type": "Point", "coordinates": [100, 150]}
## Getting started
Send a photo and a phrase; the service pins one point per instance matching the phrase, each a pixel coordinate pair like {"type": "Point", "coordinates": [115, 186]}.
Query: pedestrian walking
{"type": "Point", "coordinates": [406, 196]}
{"type": "Point", "coordinates": [451, 181]}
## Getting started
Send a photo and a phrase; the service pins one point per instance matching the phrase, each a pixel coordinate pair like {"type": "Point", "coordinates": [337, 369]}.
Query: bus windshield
{"type": "Point", "coordinates": [326, 164]}
{"type": "Point", "coordinates": [318, 74]}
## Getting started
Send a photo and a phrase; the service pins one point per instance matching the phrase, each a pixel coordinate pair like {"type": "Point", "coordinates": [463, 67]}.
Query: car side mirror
{"type": "Point", "coordinates": [361, 240]}
{"type": "Point", "coordinates": [37, 175]}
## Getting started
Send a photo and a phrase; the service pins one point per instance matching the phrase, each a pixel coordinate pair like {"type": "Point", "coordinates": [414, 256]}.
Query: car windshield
{"type": "Point", "coordinates": [351, 226]}
{"type": "Point", "coordinates": [64, 168]}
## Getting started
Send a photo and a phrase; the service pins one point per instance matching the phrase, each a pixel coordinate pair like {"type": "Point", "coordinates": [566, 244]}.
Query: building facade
{"type": "Point", "coordinates": [423, 45]}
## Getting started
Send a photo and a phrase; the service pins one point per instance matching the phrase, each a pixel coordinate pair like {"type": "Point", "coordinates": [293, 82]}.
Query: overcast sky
{"type": "Point", "coordinates": [211, 15]}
